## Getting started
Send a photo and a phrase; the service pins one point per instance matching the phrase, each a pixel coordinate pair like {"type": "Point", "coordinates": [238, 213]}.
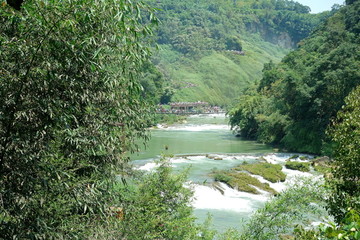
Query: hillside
{"type": "Point", "coordinates": [213, 50]}
{"type": "Point", "coordinates": [295, 101]}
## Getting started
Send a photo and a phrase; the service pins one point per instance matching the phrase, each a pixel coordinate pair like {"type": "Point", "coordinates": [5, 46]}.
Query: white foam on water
{"type": "Point", "coordinates": [216, 115]}
{"type": "Point", "coordinates": [214, 155]}
{"type": "Point", "coordinates": [278, 186]}
{"type": "Point", "coordinates": [197, 158]}
{"type": "Point", "coordinates": [179, 160]}
{"type": "Point", "coordinates": [295, 173]}
{"type": "Point", "coordinates": [198, 128]}
{"type": "Point", "coordinates": [290, 175]}
{"type": "Point", "coordinates": [152, 165]}
{"type": "Point", "coordinates": [245, 157]}
{"type": "Point", "coordinates": [276, 158]}
{"type": "Point", "coordinates": [148, 166]}
{"type": "Point", "coordinates": [206, 197]}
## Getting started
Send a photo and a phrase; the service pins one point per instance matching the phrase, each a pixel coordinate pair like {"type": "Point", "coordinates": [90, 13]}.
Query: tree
{"type": "Point", "coordinates": [157, 206]}
{"type": "Point", "coordinates": [299, 203]}
{"type": "Point", "coordinates": [346, 173]}
{"type": "Point", "coordinates": [305, 91]}
{"type": "Point", "coordinates": [233, 43]}
{"type": "Point", "coordinates": [348, 2]}
{"type": "Point", "coordinates": [243, 118]}
{"type": "Point", "coordinates": [70, 107]}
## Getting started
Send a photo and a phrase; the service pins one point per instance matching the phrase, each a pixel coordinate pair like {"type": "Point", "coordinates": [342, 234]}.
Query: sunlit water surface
{"type": "Point", "coordinates": [194, 144]}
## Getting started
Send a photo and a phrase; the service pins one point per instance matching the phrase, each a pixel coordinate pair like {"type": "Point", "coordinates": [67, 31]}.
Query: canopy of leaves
{"type": "Point", "coordinates": [70, 107]}
{"type": "Point", "coordinates": [346, 174]}
{"type": "Point", "coordinates": [193, 26]}
{"type": "Point", "coordinates": [304, 91]}
{"type": "Point", "coordinates": [200, 43]}
{"type": "Point", "coordinates": [156, 205]}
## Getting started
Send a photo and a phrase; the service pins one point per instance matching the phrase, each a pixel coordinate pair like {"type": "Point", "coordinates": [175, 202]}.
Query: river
{"type": "Point", "coordinates": [194, 144]}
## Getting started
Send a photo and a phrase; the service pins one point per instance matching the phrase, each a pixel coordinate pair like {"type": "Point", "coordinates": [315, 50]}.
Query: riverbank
{"type": "Point", "coordinates": [168, 119]}
{"type": "Point", "coordinates": [204, 144]}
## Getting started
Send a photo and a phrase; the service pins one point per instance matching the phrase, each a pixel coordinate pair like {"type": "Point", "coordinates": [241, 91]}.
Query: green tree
{"type": "Point", "coordinates": [233, 43]}
{"type": "Point", "coordinates": [70, 107]}
{"type": "Point", "coordinates": [243, 118]}
{"type": "Point", "coordinates": [297, 204]}
{"type": "Point", "coordinates": [157, 206]}
{"type": "Point", "coordinates": [308, 87]}
{"type": "Point", "coordinates": [346, 173]}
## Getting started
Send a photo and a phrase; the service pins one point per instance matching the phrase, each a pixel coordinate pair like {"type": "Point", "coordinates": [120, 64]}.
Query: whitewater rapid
{"type": "Point", "coordinates": [226, 205]}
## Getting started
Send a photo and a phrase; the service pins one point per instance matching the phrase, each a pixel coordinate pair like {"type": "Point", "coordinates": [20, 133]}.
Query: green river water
{"type": "Point", "coordinates": [200, 134]}
{"type": "Point", "coordinates": [190, 143]}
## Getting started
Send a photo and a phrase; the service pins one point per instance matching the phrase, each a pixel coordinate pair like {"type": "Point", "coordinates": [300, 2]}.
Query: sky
{"type": "Point", "coordinates": [320, 5]}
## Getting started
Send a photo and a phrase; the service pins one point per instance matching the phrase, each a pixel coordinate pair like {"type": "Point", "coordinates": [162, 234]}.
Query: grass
{"type": "Point", "coordinates": [242, 182]}
{"type": "Point", "coordinates": [271, 172]}
{"type": "Point", "coordinates": [322, 169]}
{"type": "Point", "coordinates": [300, 166]}
{"type": "Point", "coordinates": [219, 76]}
{"type": "Point", "coordinates": [322, 164]}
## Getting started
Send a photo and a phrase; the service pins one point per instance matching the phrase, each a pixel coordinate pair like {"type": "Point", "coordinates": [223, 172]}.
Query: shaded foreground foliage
{"type": "Point", "coordinates": [157, 206]}
{"type": "Point", "coordinates": [70, 107]}
{"type": "Point", "coordinates": [345, 182]}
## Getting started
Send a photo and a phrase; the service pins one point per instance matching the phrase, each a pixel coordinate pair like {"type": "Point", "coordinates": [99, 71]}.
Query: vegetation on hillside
{"type": "Point", "coordinates": [191, 27]}
{"type": "Point", "coordinates": [296, 99]}
{"type": "Point", "coordinates": [213, 50]}
{"type": "Point", "coordinates": [344, 195]}
{"type": "Point", "coordinates": [294, 104]}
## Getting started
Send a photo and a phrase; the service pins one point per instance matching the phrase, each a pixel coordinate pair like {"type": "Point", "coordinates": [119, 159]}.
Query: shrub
{"type": "Point", "coordinates": [242, 182]}
{"type": "Point", "coordinates": [271, 172]}
{"type": "Point", "coordinates": [300, 166]}
{"type": "Point", "coordinates": [298, 204]}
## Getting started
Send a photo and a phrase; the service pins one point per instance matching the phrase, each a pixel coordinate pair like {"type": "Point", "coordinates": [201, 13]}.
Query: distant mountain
{"type": "Point", "coordinates": [211, 50]}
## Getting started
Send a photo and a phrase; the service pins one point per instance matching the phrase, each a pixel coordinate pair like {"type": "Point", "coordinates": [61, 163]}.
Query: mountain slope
{"type": "Point", "coordinates": [296, 99]}
{"type": "Point", "coordinates": [213, 50]}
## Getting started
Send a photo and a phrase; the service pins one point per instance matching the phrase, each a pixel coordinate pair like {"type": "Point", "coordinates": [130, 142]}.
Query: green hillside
{"type": "Point", "coordinates": [218, 77]}
{"type": "Point", "coordinates": [213, 50]}
{"type": "Point", "coordinates": [296, 100]}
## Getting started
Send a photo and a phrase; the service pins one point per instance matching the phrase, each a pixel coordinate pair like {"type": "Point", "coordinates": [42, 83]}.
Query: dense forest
{"type": "Point", "coordinates": [295, 100]}
{"type": "Point", "coordinates": [212, 50]}
{"type": "Point", "coordinates": [77, 91]}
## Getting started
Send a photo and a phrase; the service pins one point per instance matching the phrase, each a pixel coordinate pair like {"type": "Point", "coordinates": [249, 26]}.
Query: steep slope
{"type": "Point", "coordinates": [296, 100]}
{"type": "Point", "coordinates": [212, 50]}
{"type": "Point", "coordinates": [220, 76]}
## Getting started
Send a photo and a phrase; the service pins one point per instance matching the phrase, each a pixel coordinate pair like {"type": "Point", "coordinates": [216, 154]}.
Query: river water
{"type": "Point", "coordinates": [194, 144]}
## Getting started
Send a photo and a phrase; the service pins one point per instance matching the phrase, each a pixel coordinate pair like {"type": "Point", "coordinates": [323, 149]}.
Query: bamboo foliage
{"type": "Point", "coordinates": [70, 108]}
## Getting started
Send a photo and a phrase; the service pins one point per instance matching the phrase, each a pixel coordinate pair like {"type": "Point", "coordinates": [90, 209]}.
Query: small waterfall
{"type": "Point", "coordinates": [207, 197]}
